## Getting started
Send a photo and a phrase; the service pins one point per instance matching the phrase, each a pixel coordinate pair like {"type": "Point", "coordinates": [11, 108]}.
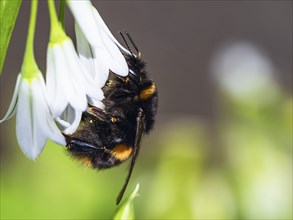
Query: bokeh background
{"type": "Point", "coordinates": [222, 145]}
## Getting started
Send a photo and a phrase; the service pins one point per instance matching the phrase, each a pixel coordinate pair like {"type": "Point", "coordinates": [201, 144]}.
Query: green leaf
{"type": "Point", "coordinates": [126, 209]}
{"type": "Point", "coordinates": [8, 14]}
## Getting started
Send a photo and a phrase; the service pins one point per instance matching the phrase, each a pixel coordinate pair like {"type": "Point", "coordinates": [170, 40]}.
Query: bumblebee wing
{"type": "Point", "coordinates": [138, 136]}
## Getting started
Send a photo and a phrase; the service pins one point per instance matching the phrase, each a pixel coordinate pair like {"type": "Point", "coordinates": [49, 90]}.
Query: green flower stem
{"type": "Point", "coordinates": [62, 13]}
{"type": "Point", "coordinates": [29, 66]}
{"type": "Point", "coordinates": [57, 34]}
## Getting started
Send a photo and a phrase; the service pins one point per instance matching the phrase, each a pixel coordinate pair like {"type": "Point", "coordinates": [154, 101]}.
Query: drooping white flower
{"type": "Point", "coordinates": [34, 122]}
{"type": "Point", "coordinates": [68, 82]}
{"type": "Point", "coordinates": [98, 50]}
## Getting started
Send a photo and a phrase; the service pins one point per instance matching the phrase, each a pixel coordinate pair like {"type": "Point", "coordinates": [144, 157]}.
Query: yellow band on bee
{"type": "Point", "coordinates": [121, 152]}
{"type": "Point", "coordinates": [147, 92]}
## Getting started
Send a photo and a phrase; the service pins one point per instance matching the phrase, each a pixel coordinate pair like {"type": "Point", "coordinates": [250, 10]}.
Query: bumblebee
{"type": "Point", "coordinates": [109, 136]}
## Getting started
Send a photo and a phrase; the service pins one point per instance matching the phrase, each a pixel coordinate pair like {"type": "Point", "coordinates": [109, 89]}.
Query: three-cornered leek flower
{"type": "Point", "coordinates": [69, 83]}
{"type": "Point", "coordinates": [98, 50]}
{"type": "Point", "coordinates": [34, 122]}
{"type": "Point", "coordinates": [72, 80]}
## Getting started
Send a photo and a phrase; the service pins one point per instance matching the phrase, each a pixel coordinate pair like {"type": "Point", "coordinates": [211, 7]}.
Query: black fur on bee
{"type": "Point", "coordinates": [107, 137]}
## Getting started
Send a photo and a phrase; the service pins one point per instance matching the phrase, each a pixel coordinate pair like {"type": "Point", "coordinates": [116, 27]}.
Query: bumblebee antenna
{"type": "Point", "coordinates": [132, 42]}
{"type": "Point", "coordinates": [139, 131]}
{"type": "Point", "coordinates": [125, 41]}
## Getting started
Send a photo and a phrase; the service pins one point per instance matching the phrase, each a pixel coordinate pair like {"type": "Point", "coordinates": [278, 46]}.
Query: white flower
{"type": "Point", "coordinates": [68, 82]}
{"type": "Point", "coordinates": [69, 120]}
{"type": "Point", "coordinates": [34, 122]}
{"type": "Point", "coordinates": [98, 49]}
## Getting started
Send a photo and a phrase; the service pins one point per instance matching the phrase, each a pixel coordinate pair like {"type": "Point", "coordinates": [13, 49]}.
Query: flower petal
{"type": "Point", "coordinates": [83, 14]}
{"type": "Point", "coordinates": [69, 120]}
{"type": "Point", "coordinates": [104, 42]}
{"type": "Point", "coordinates": [30, 142]}
{"type": "Point", "coordinates": [75, 87]}
{"type": "Point", "coordinates": [116, 60]}
{"type": "Point", "coordinates": [42, 113]}
{"type": "Point", "coordinates": [12, 108]}
{"type": "Point", "coordinates": [87, 59]}
{"type": "Point", "coordinates": [55, 78]}
{"type": "Point", "coordinates": [34, 123]}
{"type": "Point", "coordinates": [102, 24]}
{"type": "Point", "coordinates": [71, 81]}
{"type": "Point", "coordinates": [74, 123]}
{"type": "Point", "coordinates": [84, 51]}
{"type": "Point", "coordinates": [79, 74]}
{"type": "Point", "coordinates": [101, 62]}
{"type": "Point", "coordinates": [96, 102]}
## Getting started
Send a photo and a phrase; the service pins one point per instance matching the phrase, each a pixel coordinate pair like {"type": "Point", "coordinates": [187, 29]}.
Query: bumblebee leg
{"type": "Point", "coordinates": [99, 113]}
{"type": "Point", "coordinates": [138, 136]}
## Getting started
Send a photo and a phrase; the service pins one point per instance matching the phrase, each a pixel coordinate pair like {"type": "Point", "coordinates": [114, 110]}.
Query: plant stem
{"type": "Point", "coordinates": [62, 13]}
{"type": "Point", "coordinates": [52, 11]}
{"type": "Point", "coordinates": [56, 34]}
{"type": "Point", "coordinates": [29, 66]}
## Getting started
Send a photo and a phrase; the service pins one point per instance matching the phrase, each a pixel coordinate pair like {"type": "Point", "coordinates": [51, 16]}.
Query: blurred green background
{"type": "Point", "coordinates": [222, 145]}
